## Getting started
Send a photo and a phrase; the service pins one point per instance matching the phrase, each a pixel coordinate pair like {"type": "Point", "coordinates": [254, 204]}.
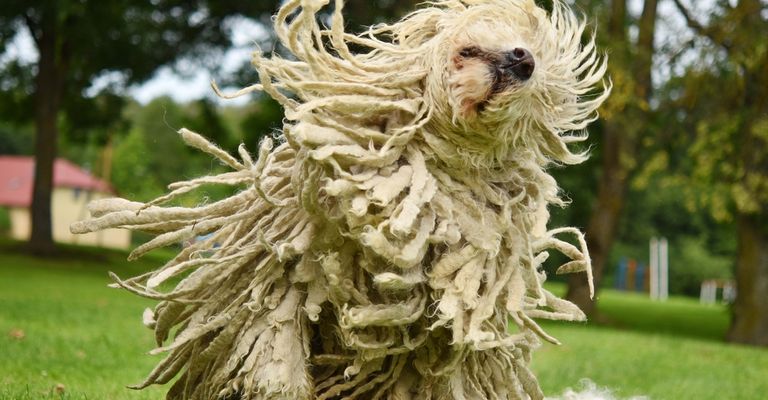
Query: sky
{"type": "Point", "coordinates": [245, 33]}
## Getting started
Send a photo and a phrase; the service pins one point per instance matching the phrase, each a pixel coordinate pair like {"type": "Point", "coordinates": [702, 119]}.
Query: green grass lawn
{"type": "Point", "coordinates": [671, 350]}
{"type": "Point", "coordinates": [87, 338]}
{"type": "Point", "coordinates": [76, 331]}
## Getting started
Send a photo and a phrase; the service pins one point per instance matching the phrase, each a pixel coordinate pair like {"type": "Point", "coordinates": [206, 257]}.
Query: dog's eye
{"type": "Point", "coordinates": [469, 52]}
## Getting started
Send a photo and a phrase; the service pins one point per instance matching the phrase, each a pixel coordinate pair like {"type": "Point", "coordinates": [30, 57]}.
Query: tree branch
{"type": "Point", "coordinates": [33, 27]}
{"type": "Point", "coordinates": [698, 27]}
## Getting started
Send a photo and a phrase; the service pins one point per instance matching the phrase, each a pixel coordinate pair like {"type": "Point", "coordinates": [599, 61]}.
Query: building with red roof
{"type": "Point", "coordinates": [73, 189]}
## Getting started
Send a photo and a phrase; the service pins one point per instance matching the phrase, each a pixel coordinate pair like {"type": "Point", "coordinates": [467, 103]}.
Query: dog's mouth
{"type": "Point", "coordinates": [507, 70]}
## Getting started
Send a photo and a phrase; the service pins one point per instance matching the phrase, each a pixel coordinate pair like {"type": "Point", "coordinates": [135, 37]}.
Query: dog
{"type": "Point", "coordinates": [389, 243]}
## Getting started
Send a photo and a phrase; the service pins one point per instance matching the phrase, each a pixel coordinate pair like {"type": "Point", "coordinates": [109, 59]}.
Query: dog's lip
{"type": "Point", "coordinates": [500, 85]}
{"type": "Point", "coordinates": [502, 81]}
{"type": "Point", "coordinates": [511, 65]}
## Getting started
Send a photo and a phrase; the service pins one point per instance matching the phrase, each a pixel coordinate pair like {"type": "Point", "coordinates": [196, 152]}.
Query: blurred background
{"type": "Point", "coordinates": [674, 199]}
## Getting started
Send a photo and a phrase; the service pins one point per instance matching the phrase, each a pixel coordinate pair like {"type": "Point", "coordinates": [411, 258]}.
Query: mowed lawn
{"type": "Point", "coordinates": [65, 335]}
{"type": "Point", "coordinates": [671, 350]}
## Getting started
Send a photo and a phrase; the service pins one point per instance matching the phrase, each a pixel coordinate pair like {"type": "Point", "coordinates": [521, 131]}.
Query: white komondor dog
{"type": "Point", "coordinates": [389, 244]}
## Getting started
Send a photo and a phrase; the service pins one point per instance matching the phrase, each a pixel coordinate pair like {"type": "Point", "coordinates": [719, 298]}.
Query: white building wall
{"type": "Point", "coordinates": [67, 206]}
{"type": "Point", "coordinates": [19, 223]}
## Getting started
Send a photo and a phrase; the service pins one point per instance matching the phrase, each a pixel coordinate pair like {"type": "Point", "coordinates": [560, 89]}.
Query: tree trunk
{"type": "Point", "coordinates": [107, 156]}
{"type": "Point", "coordinates": [749, 323]}
{"type": "Point", "coordinates": [750, 310]}
{"type": "Point", "coordinates": [48, 88]}
{"type": "Point", "coordinates": [618, 148]}
{"type": "Point", "coordinates": [604, 219]}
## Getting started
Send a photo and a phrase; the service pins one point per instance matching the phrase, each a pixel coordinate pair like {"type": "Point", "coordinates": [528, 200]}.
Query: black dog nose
{"type": "Point", "coordinates": [520, 62]}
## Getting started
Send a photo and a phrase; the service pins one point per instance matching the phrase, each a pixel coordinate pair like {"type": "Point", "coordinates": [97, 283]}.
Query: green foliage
{"type": "Point", "coordinates": [5, 221]}
{"type": "Point", "coordinates": [166, 156]}
{"type": "Point", "coordinates": [209, 122]}
{"type": "Point", "coordinates": [578, 184]}
{"type": "Point", "coordinates": [93, 120]}
{"type": "Point", "coordinates": [264, 117]}
{"type": "Point", "coordinates": [127, 38]}
{"type": "Point", "coordinates": [360, 14]}
{"type": "Point", "coordinates": [716, 116]}
{"type": "Point", "coordinates": [700, 248]}
{"type": "Point", "coordinates": [16, 83]}
{"type": "Point", "coordinates": [658, 205]}
{"type": "Point", "coordinates": [152, 155]}
{"type": "Point", "coordinates": [691, 263]}
{"type": "Point", "coordinates": [79, 42]}
{"type": "Point", "coordinates": [16, 139]}
{"type": "Point", "coordinates": [132, 174]}
{"type": "Point", "coordinates": [134, 38]}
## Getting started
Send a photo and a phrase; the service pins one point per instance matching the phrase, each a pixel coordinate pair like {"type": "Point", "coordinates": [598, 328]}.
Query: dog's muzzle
{"type": "Point", "coordinates": [520, 63]}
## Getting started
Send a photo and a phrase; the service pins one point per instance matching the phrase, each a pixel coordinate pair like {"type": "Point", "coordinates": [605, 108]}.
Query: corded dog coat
{"type": "Point", "coordinates": [389, 244]}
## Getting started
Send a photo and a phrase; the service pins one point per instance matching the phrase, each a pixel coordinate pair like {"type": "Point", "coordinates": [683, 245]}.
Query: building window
{"type": "Point", "coordinates": [76, 192]}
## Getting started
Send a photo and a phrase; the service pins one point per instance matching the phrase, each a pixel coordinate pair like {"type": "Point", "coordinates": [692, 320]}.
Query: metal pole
{"type": "Point", "coordinates": [664, 269]}
{"type": "Point", "coordinates": [712, 292]}
{"type": "Point", "coordinates": [654, 266]}
{"type": "Point", "coordinates": [729, 292]}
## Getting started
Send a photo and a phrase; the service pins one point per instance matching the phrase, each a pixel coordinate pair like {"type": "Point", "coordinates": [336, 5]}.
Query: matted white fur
{"type": "Point", "coordinates": [383, 246]}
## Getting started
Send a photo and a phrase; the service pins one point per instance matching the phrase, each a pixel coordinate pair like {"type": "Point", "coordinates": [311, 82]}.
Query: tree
{"type": "Point", "coordinates": [725, 99]}
{"type": "Point", "coordinates": [79, 42]}
{"type": "Point", "coordinates": [143, 167]}
{"type": "Point", "coordinates": [625, 118]}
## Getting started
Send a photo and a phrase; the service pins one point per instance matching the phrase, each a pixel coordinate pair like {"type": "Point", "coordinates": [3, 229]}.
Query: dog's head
{"type": "Point", "coordinates": [485, 79]}
{"type": "Point", "coordinates": [506, 73]}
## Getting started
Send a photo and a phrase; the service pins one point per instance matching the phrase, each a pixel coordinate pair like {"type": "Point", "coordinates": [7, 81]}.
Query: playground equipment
{"type": "Point", "coordinates": [659, 279]}
{"type": "Point", "coordinates": [709, 291]}
{"type": "Point", "coordinates": [633, 275]}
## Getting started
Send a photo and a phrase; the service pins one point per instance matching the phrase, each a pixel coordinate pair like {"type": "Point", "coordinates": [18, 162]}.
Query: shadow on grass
{"type": "Point", "coordinates": [80, 259]}
{"type": "Point", "coordinates": [61, 252]}
{"type": "Point", "coordinates": [678, 316]}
